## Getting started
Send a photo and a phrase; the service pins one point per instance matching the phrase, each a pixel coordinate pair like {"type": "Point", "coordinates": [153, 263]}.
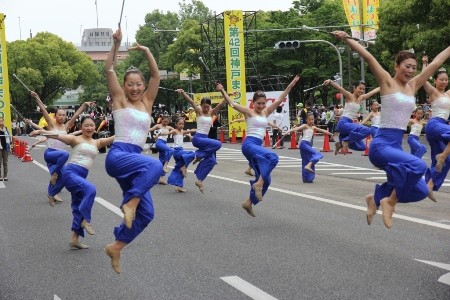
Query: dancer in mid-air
{"type": "Point", "coordinates": [310, 156]}
{"type": "Point", "coordinates": [351, 135]}
{"type": "Point", "coordinates": [404, 171]}
{"type": "Point", "coordinates": [83, 192]}
{"type": "Point", "coordinates": [165, 152]}
{"type": "Point", "coordinates": [56, 156]}
{"type": "Point", "coordinates": [136, 173]}
{"type": "Point", "coordinates": [374, 117]}
{"type": "Point", "coordinates": [263, 161]}
{"type": "Point", "coordinates": [416, 125]}
{"type": "Point", "coordinates": [207, 147]}
{"type": "Point", "coordinates": [437, 130]}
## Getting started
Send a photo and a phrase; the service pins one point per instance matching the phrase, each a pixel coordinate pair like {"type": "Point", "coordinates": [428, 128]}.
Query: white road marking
{"type": "Point", "coordinates": [2, 185]}
{"type": "Point", "coordinates": [445, 279]}
{"type": "Point", "coordinates": [247, 288]}
{"type": "Point", "coordinates": [355, 173]}
{"type": "Point", "coordinates": [378, 178]}
{"type": "Point", "coordinates": [117, 211]}
{"type": "Point", "coordinates": [55, 297]}
{"type": "Point", "coordinates": [329, 201]}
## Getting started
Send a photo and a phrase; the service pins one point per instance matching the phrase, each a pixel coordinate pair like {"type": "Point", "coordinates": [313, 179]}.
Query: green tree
{"type": "Point", "coordinates": [48, 65]}
{"type": "Point", "coordinates": [96, 90]}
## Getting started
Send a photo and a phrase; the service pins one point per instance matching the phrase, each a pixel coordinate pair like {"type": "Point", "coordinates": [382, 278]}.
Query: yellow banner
{"type": "Point", "coordinates": [216, 97]}
{"type": "Point", "coordinates": [370, 18]}
{"type": "Point", "coordinates": [235, 64]}
{"type": "Point", "coordinates": [352, 11]}
{"type": "Point", "coordinates": [5, 108]}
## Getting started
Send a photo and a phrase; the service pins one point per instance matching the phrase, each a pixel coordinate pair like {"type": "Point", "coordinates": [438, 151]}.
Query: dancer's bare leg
{"type": "Point", "coordinates": [165, 166]}
{"type": "Point", "coordinates": [113, 251]}
{"type": "Point", "coordinates": [53, 178]}
{"type": "Point", "coordinates": [371, 208]}
{"type": "Point", "coordinates": [183, 170]}
{"type": "Point", "coordinates": [129, 211]}
{"type": "Point", "coordinates": [388, 206]}
{"type": "Point", "coordinates": [441, 157]}
{"type": "Point", "coordinates": [430, 185]}
{"type": "Point", "coordinates": [199, 184]}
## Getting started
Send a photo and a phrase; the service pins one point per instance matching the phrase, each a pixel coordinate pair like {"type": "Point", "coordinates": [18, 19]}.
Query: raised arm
{"type": "Point", "coordinates": [75, 116]}
{"type": "Point", "coordinates": [383, 77]}
{"type": "Point", "coordinates": [369, 94]}
{"type": "Point", "coordinates": [65, 138]}
{"type": "Point", "coordinates": [347, 94]}
{"type": "Point", "coordinates": [153, 84]}
{"type": "Point", "coordinates": [366, 119]}
{"type": "Point", "coordinates": [216, 109]}
{"type": "Point", "coordinates": [29, 122]}
{"type": "Point", "coordinates": [297, 128]}
{"type": "Point", "coordinates": [429, 88]}
{"type": "Point", "coordinates": [242, 109]}
{"type": "Point", "coordinates": [117, 93]}
{"type": "Point", "coordinates": [44, 111]}
{"type": "Point", "coordinates": [417, 82]}
{"type": "Point", "coordinates": [315, 128]}
{"type": "Point", "coordinates": [186, 97]}
{"type": "Point", "coordinates": [282, 96]}
{"type": "Point", "coordinates": [103, 142]}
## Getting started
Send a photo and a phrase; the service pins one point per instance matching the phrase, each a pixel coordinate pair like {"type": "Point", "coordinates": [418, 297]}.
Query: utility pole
{"type": "Point", "coordinates": [96, 11]}
{"type": "Point", "coordinates": [20, 30]}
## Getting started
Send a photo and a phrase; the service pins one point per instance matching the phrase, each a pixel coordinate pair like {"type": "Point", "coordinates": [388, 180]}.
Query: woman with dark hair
{"type": "Point", "coordinates": [85, 149]}
{"type": "Point", "coordinates": [351, 135]}
{"type": "Point", "coordinates": [277, 134]}
{"type": "Point", "coordinates": [404, 171]}
{"type": "Point", "coordinates": [374, 117]}
{"type": "Point", "coordinates": [135, 172]}
{"type": "Point", "coordinates": [260, 159]}
{"type": "Point", "coordinates": [416, 125]}
{"type": "Point", "coordinates": [206, 147]}
{"type": "Point", "coordinates": [165, 152]}
{"type": "Point", "coordinates": [438, 130]}
{"type": "Point", "coordinates": [56, 156]}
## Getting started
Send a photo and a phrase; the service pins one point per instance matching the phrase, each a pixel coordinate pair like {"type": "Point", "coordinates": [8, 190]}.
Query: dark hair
{"type": "Point", "coordinates": [59, 108]}
{"type": "Point", "coordinates": [310, 113]}
{"type": "Point", "coordinates": [357, 83]}
{"type": "Point", "coordinates": [279, 109]}
{"type": "Point", "coordinates": [418, 108]}
{"type": "Point", "coordinates": [205, 100]}
{"type": "Point", "coordinates": [85, 118]}
{"type": "Point", "coordinates": [165, 117]}
{"type": "Point", "coordinates": [308, 103]}
{"type": "Point", "coordinates": [439, 72]}
{"type": "Point", "coordinates": [179, 119]}
{"type": "Point", "coordinates": [258, 94]}
{"type": "Point", "coordinates": [133, 70]}
{"type": "Point", "coordinates": [403, 55]}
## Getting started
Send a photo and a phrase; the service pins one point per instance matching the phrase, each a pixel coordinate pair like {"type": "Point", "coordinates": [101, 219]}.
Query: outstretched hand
{"type": "Point", "coordinates": [340, 35]}
{"type": "Point", "coordinates": [327, 82]}
{"type": "Point", "coordinates": [117, 36]}
{"type": "Point", "coordinates": [138, 47]}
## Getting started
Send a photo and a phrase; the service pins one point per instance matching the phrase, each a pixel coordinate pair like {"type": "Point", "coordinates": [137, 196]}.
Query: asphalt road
{"type": "Point", "coordinates": [308, 241]}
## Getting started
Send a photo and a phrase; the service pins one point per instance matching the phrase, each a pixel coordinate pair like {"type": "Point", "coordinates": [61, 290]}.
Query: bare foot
{"type": "Point", "coordinates": [249, 172]}
{"type": "Point", "coordinates": [247, 205]}
{"type": "Point", "coordinates": [199, 184]}
{"type": "Point", "coordinates": [115, 257]}
{"type": "Point", "coordinates": [75, 245]}
{"type": "Point", "coordinates": [309, 169]}
{"type": "Point", "coordinates": [371, 208]}
{"type": "Point", "coordinates": [344, 148]}
{"type": "Point", "coordinates": [431, 195]}
{"type": "Point", "coordinates": [162, 181]}
{"type": "Point", "coordinates": [196, 160]}
{"type": "Point", "coordinates": [388, 210]}
{"type": "Point", "coordinates": [58, 199]}
{"type": "Point", "coordinates": [88, 227]}
{"type": "Point", "coordinates": [51, 201]}
{"type": "Point", "coordinates": [179, 189]}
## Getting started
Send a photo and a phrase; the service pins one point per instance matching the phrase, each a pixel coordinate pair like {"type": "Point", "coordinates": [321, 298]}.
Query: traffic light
{"type": "Point", "coordinates": [287, 45]}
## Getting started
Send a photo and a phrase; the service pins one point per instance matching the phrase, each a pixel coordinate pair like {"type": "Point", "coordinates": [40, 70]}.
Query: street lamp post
{"type": "Point", "coordinates": [20, 30]}
{"type": "Point", "coordinates": [339, 56]}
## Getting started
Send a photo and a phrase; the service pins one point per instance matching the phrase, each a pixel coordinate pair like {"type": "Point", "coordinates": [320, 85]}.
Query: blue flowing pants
{"type": "Point", "coordinates": [417, 149]}
{"type": "Point", "coordinates": [165, 152]}
{"type": "Point", "coordinates": [438, 135]}
{"type": "Point", "coordinates": [182, 158]}
{"type": "Point", "coordinates": [404, 171]}
{"type": "Point", "coordinates": [309, 154]}
{"type": "Point", "coordinates": [83, 195]}
{"type": "Point", "coordinates": [373, 131]}
{"type": "Point", "coordinates": [207, 151]}
{"type": "Point", "coordinates": [353, 133]}
{"type": "Point", "coordinates": [261, 160]}
{"type": "Point", "coordinates": [55, 160]}
{"type": "Point", "coordinates": [136, 174]}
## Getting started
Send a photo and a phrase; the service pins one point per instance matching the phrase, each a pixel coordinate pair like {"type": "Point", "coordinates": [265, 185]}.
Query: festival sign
{"type": "Point", "coordinates": [353, 13]}
{"type": "Point", "coordinates": [370, 18]}
{"type": "Point", "coordinates": [5, 109]}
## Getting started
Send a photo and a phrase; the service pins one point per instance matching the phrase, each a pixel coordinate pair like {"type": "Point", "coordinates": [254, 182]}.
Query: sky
{"type": "Point", "coordinates": [67, 19]}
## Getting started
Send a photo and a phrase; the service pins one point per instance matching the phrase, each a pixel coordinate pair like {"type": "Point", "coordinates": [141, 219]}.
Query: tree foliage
{"type": "Point", "coordinates": [48, 65]}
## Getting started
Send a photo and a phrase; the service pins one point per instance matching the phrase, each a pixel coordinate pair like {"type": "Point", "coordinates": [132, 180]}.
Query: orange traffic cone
{"type": "Point", "coordinates": [27, 157]}
{"type": "Point", "coordinates": [267, 140]}
{"type": "Point", "coordinates": [21, 149]}
{"type": "Point", "coordinates": [293, 141]}
{"type": "Point", "coordinates": [244, 135]}
{"type": "Point", "coordinates": [366, 152]}
{"type": "Point", "coordinates": [326, 144]}
{"type": "Point", "coordinates": [16, 147]}
{"type": "Point", "coordinates": [222, 136]}
{"type": "Point", "coordinates": [233, 137]}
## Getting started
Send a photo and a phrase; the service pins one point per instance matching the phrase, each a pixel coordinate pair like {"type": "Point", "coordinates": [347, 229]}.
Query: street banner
{"type": "Point", "coordinates": [370, 18]}
{"type": "Point", "coordinates": [353, 13]}
{"type": "Point", "coordinates": [5, 107]}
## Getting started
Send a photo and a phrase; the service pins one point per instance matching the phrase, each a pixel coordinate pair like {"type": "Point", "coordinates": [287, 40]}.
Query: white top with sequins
{"type": "Point", "coordinates": [441, 107]}
{"type": "Point", "coordinates": [83, 155]}
{"type": "Point", "coordinates": [397, 110]}
{"type": "Point", "coordinates": [256, 126]}
{"type": "Point", "coordinates": [57, 144]}
{"type": "Point", "coordinates": [308, 134]}
{"type": "Point", "coordinates": [351, 110]}
{"type": "Point", "coordinates": [131, 126]}
{"type": "Point", "coordinates": [204, 123]}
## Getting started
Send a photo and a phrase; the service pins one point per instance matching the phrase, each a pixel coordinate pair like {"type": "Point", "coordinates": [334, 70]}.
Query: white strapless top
{"type": "Point", "coordinates": [351, 110]}
{"type": "Point", "coordinates": [256, 126]}
{"type": "Point", "coordinates": [397, 110]}
{"type": "Point", "coordinates": [307, 134]}
{"type": "Point", "coordinates": [441, 107]}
